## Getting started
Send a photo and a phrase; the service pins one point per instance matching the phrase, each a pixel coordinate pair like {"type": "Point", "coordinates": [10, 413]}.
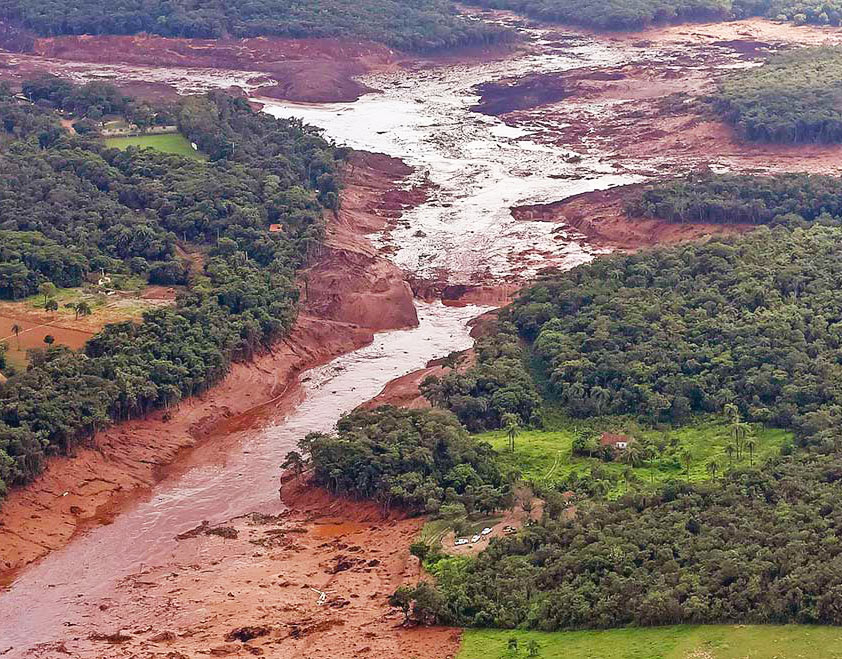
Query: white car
{"type": "Point", "coordinates": [475, 538]}
{"type": "Point", "coordinates": [486, 531]}
{"type": "Point", "coordinates": [460, 541]}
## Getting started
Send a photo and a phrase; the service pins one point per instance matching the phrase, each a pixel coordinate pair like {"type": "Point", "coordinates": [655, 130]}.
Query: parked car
{"type": "Point", "coordinates": [460, 541]}
{"type": "Point", "coordinates": [486, 531]}
{"type": "Point", "coordinates": [475, 538]}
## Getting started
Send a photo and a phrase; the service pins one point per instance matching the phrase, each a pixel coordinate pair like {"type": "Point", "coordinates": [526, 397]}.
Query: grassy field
{"type": "Point", "coordinates": [676, 642]}
{"type": "Point", "coordinates": [545, 456]}
{"type": "Point", "coordinates": [170, 143]}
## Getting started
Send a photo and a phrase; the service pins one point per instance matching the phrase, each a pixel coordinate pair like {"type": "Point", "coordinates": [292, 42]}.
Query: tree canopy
{"type": "Point", "coordinates": [410, 24]}
{"type": "Point", "coordinates": [792, 98]}
{"type": "Point", "coordinates": [639, 14]}
{"type": "Point", "coordinates": [415, 459]}
{"type": "Point", "coordinates": [790, 199]}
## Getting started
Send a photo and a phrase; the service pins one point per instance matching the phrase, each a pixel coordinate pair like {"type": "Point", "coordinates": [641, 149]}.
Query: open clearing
{"type": "Point", "coordinates": [34, 323]}
{"type": "Point", "coordinates": [675, 642]}
{"type": "Point", "coordinates": [169, 143]}
{"type": "Point", "coordinates": [545, 456]}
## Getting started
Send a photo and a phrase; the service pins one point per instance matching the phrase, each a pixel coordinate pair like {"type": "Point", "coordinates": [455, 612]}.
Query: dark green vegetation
{"type": "Point", "coordinates": [410, 24]}
{"type": "Point", "coordinates": [420, 460]}
{"type": "Point", "coordinates": [499, 384]}
{"type": "Point", "coordinates": [789, 199]}
{"type": "Point", "coordinates": [792, 98]}
{"type": "Point", "coordinates": [665, 333]}
{"type": "Point", "coordinates": [748, 325]}
{"type": "Point", "coordinates": [68, 205]}
{"type": "Point", "coordinates": [755, 546]}
{"type": "Point", "coordinates": [673, 642]}
{"type": "Point", "coordinates": [617, 14]}
{"type": "Point", "coordinates": [638, 14]}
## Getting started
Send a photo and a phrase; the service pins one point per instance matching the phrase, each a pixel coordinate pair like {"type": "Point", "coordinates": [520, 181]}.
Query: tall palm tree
{"type": "Point", "coordinates": [712, 467]}
{"type": "Point", "coordinates": [750, 445]}
{"type": "Point", "coordinates": [687, 460]}
{"type": "Point", "coordinates": [632, 455]}
{"type": "Point", "coordinates": [16, 329]}
{"type": "Point", "coordinates": [83, 309]}
{"type": "Point", "coordinates": [730, 449]}
{"type": "Point", "coordinates": [510, 423]}
{"type": "Point", "coordinates": [732, 411]}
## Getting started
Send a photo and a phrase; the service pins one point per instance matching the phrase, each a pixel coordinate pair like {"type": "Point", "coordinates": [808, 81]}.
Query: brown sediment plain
{"type": "Point", "coordinates": [124, 461]}
{"type": "Point", "coordinates": [314, 70]}
{"type": "Point", "coordinates": [251, 587]}
{"type": "Point", "coordinates": [648, 117]}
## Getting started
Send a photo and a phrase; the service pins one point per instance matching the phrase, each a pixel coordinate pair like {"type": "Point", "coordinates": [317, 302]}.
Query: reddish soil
{"type": "Point", "coordinates": [245, 588]}
{"type": "Point", "coordinates": [647, 116]}
{"type": "Point", "coordinates": [601, 216]}
{"type": "Point", "coordinates": [307, 70]}
{"type": "Point", "coordinates": [350, 280]}
{"type": "Point", "coordinates": [126, 460]}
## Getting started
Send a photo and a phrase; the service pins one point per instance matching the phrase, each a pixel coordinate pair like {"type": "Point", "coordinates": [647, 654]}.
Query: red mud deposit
{"type": "Point", "coordinates": [306, 70]}
{"type": "Point", "coordinates": [648, 116]}
{"type": "Point", "coordinates": [127, 459]}
{"type": "Point", "coordinates": [601, 216]}
{"type": "Point", "coordinates": [350, 281]}
{"type": "Point", "coordinates": [246, 588]}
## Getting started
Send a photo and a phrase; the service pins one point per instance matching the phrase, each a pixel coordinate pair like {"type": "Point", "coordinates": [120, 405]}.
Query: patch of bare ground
{"type": "Point", "coordinates": [647, 116]}
{"type": "Point", "coordinates": [312, 582]}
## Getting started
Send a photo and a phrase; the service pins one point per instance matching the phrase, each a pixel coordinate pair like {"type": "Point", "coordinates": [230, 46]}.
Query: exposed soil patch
{"type": "Point", "coordinates": [601, 216]}
{"type": "Point", "coordinates": [648, 116]}
{"type": "Point", "coordinates": [257, 592]}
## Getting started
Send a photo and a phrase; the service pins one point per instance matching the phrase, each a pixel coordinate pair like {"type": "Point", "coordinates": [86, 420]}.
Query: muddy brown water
{"type": "Point", "coordinates": [242, 480]}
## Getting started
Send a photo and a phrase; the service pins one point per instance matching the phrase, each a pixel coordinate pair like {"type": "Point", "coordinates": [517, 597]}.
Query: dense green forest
{"type": "Point", "coordinates": [750, 325]}
{"type": "Point", "coordinates": [498, 384]}
{"type": "Point", "coordinates": [68, 204]}
{"type": "Point", "coordinates": [789, 199]}
{"type": "Point", "coordinates": [792, 98]}
{"type": "Point", "coordinates": [639, 14]}
{"type": "Point", "coordinates": [410, 24]}
{"type": "Point", "coordinates": [420, 460]}
{"type": "Point", "coordinates": [662, 334]}
{"type": "Point", "coordinates": [759, 545]}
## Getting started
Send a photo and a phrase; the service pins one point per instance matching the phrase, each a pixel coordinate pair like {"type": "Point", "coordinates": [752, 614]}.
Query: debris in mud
{"type": "Point", "coordinates": [228, 532]}
{"type": "Point", "coordinates": [194, 532]}
{"type": "Point", "coordinates": [116, 638]}
{"type": "Point", "coordinates": [163, 637]}
{"type": "Point", "coordinates": [300, 630]}
{"type": "Point", "coordinates": [246, 633]}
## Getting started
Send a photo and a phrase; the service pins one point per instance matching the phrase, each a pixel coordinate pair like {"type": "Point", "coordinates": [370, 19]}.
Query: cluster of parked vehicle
{"type": "Point", "coordinates": [476, 538]}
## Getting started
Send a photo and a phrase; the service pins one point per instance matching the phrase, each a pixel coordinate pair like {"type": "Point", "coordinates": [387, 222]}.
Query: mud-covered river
{"type": "Point", "coordinates": [479, 168]}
